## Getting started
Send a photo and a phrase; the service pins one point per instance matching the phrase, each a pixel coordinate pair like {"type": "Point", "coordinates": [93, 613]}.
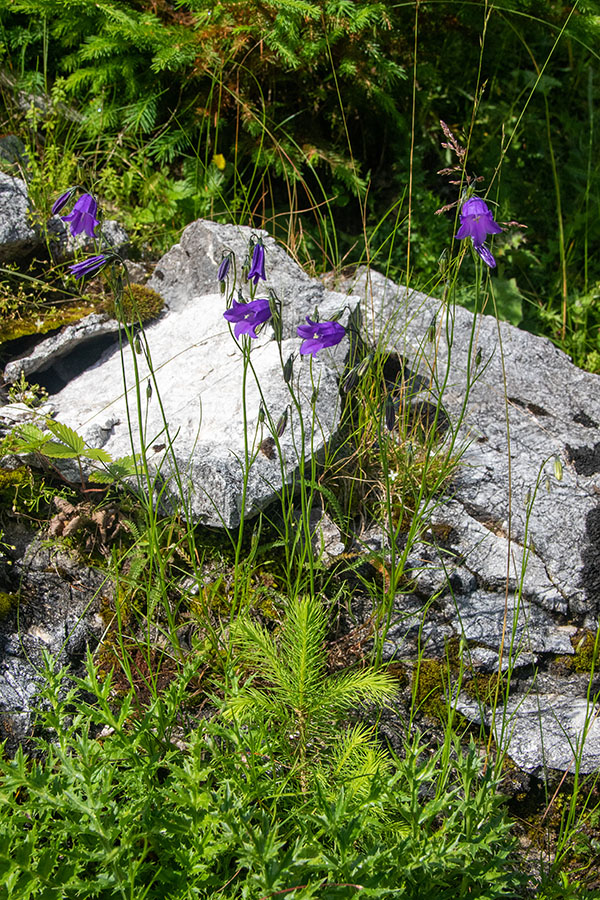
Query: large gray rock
{"type": "Point", "coordinates": [17, 234]}
{"type": "Point", "coordinates": [193, 424]}
{"type": "Point", "coordinates": [548, 407]}
{"type": "Point", "coordinates": [512, 561]}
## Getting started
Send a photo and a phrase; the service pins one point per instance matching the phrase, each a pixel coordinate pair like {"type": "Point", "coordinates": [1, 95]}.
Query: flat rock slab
{"type": "Point", "coordinates": [48, 350]}
{"type": "Point", "coordinates": [545, 731]}
{"type": "Point", "coordinates": [199, 377]}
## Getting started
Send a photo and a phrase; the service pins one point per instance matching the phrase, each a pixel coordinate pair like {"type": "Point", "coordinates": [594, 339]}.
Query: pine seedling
{"type": "Point", "coordinates": [291, 688]}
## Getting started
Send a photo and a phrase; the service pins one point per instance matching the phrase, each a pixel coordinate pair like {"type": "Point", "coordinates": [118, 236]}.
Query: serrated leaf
{"type": "Point", "coordinates": [99, 454]}
{"type": "Point", "coordinates": [102, 477]}
{"type": "Point", "coordinates": [118, 469]}
{"type": "Point", "coordinates": [69, 437]}
{"type": "Point", "coordinates": [54, 450]}
{"type": "Point", "coordinates": [30, 437]}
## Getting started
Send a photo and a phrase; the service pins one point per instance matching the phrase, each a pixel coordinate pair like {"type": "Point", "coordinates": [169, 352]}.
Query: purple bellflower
{"type": "Point", "coordinates": [224, 268]}
{"type": "Point", "coordinates": [318, 335]}
{"type": "Point", "coordinates": [62, 201]}
{"type": "Point", "coordinates": [89, 266]}
{"type": "Point", "coordinates": [476, 222]}
{"type": "Point", "coordinates": [82, 220]}
{"type": "Point", "coordinates": [248, 316]}
{"type": "Point", "coordinates": [257, 268]}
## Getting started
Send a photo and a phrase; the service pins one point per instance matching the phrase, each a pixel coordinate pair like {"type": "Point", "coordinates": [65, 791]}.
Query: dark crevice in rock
{"type": "Point", "coordinates": [489, 520]}
{"type": "Point", "coordinates": [583, 419]}
{"type": "Point", "coordinates": [81, 358]}
{"type": "Point", "coordinates": [590, 574]}
{"type": "Point", "coordinates": [585, 459]}
{"type": "Point", "coordinates": [532, 407]}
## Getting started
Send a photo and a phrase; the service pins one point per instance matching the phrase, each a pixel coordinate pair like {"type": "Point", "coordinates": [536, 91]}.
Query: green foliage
{"type": "Point", "coordinates": [301, 699]}
{"type": "Point", "coordinates": [112, 808]}
{"type": "Point", "coordinates": [254, 112]}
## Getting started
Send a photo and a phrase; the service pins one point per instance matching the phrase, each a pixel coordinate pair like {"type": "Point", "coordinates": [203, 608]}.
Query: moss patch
{"type": "Point", "coordinates": [42, 321]}
{"type": "Point", "coordinates": [587, 648]}
{"type": "Point", "coordinates": [8, 602]}
{"type": "Point", "coordinates": [138, 304]}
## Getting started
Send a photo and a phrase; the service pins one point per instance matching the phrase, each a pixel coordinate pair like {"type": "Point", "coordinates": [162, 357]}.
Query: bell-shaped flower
{"type": "Point", "coordinates": [476, 222]}
{"type": "Point", "coordinates": [318, 335]}
{"type": "Point", "coordinates": [62, 201]}
{"type": "Point", "coordinates": [89, 266]}
{"type": "Point", "coordinates": [82, 219]}
{"type": "Point", "coordinates": [257, 267]}
{"type": "Point", "coordinates": [248, 316]}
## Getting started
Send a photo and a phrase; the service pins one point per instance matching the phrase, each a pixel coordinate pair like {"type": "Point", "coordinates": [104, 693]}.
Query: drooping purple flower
{"type": "Point", "coordinates": [82, 220]}
{"type": "Point", "coordinates": [89, 266]}
{"type": "Point", "coordinates": [318, 335]}
{"type": "Point", "coordinates": [485, 254]}
{"type": "Point", "coordinates": [224, 268]}
{"type": "Point", "coordinates": [476, 222]}
{"type": "Point", "coordinates": [257, 267]}
{"type": "Point", "coordinates": [62, 201]}
{"type": "Point", "coordinates": [248, 316]}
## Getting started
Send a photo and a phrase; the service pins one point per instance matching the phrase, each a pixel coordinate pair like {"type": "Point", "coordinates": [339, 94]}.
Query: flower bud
{"type": "Point", "coordinates": [288, 369]}
{"type": "Point", "coordinates": [281, 424]}
{"type": "Point", "coordinates": [558, 469]}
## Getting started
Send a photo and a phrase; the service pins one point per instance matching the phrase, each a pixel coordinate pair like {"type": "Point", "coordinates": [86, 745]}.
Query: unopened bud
{"type": "Point", "coordinates": [351, 380]}
{"type": "Point", "coordinates": [137, 344]}
{"type": "Point", "coordinates": [281, 424]}
{"type": "Point", "coordinates": [432, 329]}
{"type": "Point", "coordinates": [288, 369]}
{"type": "Point", "coordinates": [148, 390]}
{"type": "Point", "coordinates": [558, 469]}
{"type": "Point", "coordinates": [276, 321]}
{"type": "Point", "coordinates": [261, 413]}
{"type": "Point", "coordinates": [364, 365]}
{"type": "Point", "coordinates": [443, 262]}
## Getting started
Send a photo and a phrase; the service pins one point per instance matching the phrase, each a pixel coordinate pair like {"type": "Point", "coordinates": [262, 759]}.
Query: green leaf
{"type": "Point", "coordinates": [55, 450]}
{"type": "Point", "coordinates": [70, 438]}
{"type": "Point", "coordinates": [98, 453]}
